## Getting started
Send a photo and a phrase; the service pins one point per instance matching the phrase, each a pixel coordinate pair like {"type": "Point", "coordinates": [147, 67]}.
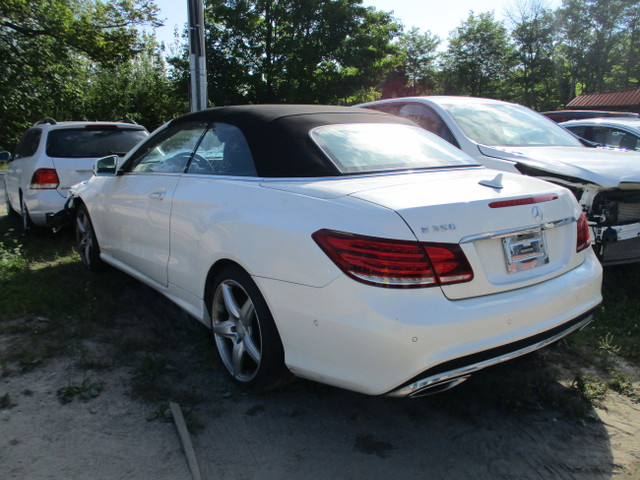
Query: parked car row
{"type": "Point", "coordinates": [513, 138]}
{"type": "Point", "coordinates": [385, 254]}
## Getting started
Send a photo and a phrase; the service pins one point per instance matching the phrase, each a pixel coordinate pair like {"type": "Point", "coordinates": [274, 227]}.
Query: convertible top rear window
{"type": "Point", "coordinates": [376, 147]}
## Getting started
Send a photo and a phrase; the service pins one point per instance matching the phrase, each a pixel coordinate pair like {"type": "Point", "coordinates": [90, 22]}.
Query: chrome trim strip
{"type": "Point", "coordinates": [513, 231]}
{"type": "Point", "coordinates": [416, 388]}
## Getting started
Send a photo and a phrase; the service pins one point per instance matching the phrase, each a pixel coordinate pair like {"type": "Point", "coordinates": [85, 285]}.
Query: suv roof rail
{"type": "Point", "coordinates": [46, 120]}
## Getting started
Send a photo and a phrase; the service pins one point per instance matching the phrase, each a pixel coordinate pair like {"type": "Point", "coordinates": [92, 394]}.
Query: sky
{"type": "Point", "coordinates": [427, 15]}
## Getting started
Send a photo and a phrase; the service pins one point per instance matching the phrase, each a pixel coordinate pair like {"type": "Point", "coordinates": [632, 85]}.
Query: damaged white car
{"type": "Point", "coordinates": [341, 245]}
{"type": "Point", "coordinates": [511, 137]}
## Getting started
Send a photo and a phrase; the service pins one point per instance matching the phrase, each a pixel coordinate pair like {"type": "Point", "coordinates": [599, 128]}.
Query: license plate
{"type": "Point", "coordinates": [525, 250]}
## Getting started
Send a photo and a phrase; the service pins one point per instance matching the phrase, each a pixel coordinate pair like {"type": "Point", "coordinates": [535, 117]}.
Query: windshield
{"type": "Point", "coordinates": [508, 125]}
{"type": "Point", "coordinates": [92, 142]}
{"type": "Point", "coordinates": [373, 147]}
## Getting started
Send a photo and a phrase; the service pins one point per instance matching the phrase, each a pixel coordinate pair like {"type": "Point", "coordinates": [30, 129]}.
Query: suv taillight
{"type": "Point", "coordinates": [45, 178]}
{"type": "Point", "coordinates": [584, 233]}
{"type": "Point", "coordinates": [395, 263]}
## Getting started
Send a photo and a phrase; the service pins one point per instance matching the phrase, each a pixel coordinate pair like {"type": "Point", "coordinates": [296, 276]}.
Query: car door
{"type": "Point", "coordinates": [211, 200]}
{"type": "Point", "coordinates": [137, 204]}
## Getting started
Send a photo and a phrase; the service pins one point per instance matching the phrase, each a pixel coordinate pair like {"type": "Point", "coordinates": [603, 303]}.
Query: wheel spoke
{"type": "Point", "coordinates": [85, 239]}
{"type": "Point", "coordinates": [81, 224]}
{"type": "Point", "coordinates": [230, 302]}
{"type": "Point", "coordinates": [251, 349]}
{"type": "Point", "coordinates": [247, 314]}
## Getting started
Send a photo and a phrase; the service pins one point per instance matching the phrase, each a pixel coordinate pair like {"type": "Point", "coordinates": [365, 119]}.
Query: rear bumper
{"type": "Point", "coordinates": [450, 374]}
{"type": "Point", "coordinates": [397, 342]}
{"type": "Point", "coordinates": [41, 204]}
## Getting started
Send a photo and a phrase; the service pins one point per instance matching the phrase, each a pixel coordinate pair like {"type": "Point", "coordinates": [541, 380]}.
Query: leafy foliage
{"type": "Point", "coordinates": [302, 51]}
{"type": "Point", "coordinates": [480, 57]}
{"type": "Point", "coordinates": [91, 59]}
{"type": "Point", "coordinates": [50, 51]}
{"type": "Point", "coordinates": [533, 36]}
{"type": "Point", "coordinates": [417, 71]}
{"type": "Point", "coordinates": [598, 38]}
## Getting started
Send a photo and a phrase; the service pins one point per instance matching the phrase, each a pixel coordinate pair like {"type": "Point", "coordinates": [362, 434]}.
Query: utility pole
{"type": "Point", "coordinates": [197, 66]}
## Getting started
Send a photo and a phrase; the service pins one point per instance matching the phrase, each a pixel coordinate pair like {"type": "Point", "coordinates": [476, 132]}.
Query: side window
{"type": "Point", "coordinates": [29, 143]}
{"type": "Point", "coordinates": [428, 119]}
{"type": "Point", "coordinates": [223, 151]}
{"type": "Point", "coordinates": [169, 151]}
{"type": "Point", "coordinates": [584, 132]}
{"type": "Point", "coordinates": [612, 137]}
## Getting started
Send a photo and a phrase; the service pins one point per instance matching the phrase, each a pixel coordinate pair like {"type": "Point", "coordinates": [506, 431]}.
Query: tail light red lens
{"type": "Point", "coordinates": [45, 178]}
{"type": "Point", "coordinates": [584, 233]}
{"type": "Point", "coordinates": [449, 262]}
{"type": "Point", "coordinates": [394, 263]}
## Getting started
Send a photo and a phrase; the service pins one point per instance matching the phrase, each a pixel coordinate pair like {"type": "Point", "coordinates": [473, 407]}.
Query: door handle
{"type": "Point", "coordinates": [158, 194]}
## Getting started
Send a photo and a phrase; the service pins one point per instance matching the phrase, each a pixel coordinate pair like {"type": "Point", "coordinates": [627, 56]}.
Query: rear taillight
{"type": "Point", "coordinates": [584, 233]}
{"type": "Point", "coordinates": [394, 263]}
{"type": "Point", "coordinates": [45, 178]}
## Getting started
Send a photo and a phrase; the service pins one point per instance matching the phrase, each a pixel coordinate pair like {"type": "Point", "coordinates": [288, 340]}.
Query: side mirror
{"type": "Point", "coordinates": [106, 166]}
{"type": "Point", "coordinates": [5, 157]}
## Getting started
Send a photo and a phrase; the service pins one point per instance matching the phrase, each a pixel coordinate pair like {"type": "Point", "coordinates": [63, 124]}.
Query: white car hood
{"type": "Point", "coordinates": [607, 168]}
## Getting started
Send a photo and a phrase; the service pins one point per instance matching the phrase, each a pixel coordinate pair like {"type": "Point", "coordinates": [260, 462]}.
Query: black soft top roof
{"type": "Point", "coordinates": [278, 135]}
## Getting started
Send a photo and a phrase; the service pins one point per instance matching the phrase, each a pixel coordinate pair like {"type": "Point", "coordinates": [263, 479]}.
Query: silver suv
{"type": "Point", "coordinates": [52, 156]}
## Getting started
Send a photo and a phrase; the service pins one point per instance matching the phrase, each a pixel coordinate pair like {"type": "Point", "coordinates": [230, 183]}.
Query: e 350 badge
{"type": "Point", "coordinates": [439, 228]}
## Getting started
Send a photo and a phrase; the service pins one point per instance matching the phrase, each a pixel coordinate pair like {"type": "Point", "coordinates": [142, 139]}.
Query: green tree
{"type": "Point", "coordinates": [594, 35]}
{"type": "Point", "coordinates": [479, 58]}
{"type": "Point", "coordinates": [146, 93]}
{"type": "Point", "coordinates": [298, 51]}
{"type": "Point", "coordinates": [48, 49]}
{"type": "Point", "coordinates": [533, 36]}
{"type": "Point", "coordinates": [417, 71]}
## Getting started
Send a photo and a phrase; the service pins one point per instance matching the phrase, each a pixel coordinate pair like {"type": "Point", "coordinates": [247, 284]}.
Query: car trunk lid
{"type": "Point", "coordinates": [514, 230]}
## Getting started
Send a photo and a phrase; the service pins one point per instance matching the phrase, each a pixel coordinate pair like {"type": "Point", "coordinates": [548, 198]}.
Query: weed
{"type": "Point", "coordinates": [86, 390]}
{"type": "Point", "coordinates": [12, 259]}
{"type": "Point", "coordinates": [591, 388]}
{"type": "Point", "coordinates": [621, 383]}
{"type": "Point", "coordinates": [606, 345]}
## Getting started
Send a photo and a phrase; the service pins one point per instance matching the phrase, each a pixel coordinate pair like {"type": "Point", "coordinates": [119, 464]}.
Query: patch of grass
{"type": "Point", "coordinates": [616, 328]}
{"type": "Point", "coordinates": [48, 297]}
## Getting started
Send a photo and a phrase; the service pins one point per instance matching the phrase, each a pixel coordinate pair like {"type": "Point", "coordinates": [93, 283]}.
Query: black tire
{"type": "Point", "coordinates": [245, 334]}
{"type": "Point", "coordinates": [86, 241]}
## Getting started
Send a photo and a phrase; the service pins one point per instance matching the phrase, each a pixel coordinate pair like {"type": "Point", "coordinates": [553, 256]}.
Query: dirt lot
{"type": "Point", "coordinates": [100, 413]}
{"type": "Point", "coordinates": [100, 410]}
